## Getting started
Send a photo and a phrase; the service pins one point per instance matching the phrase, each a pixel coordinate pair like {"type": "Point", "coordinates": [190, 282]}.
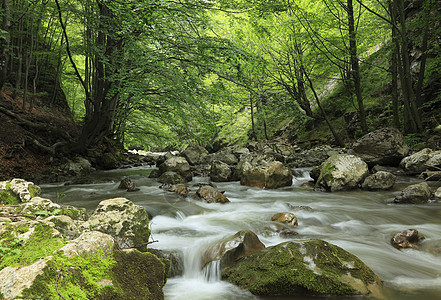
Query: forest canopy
{"type": "Point", "coordinates": [167, 73]}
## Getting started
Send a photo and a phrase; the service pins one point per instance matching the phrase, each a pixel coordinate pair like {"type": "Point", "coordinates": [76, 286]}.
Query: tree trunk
{"type": "Point", "coordinates": [355, 67]}
{"type": "Point", "coordinates": [5, 43]}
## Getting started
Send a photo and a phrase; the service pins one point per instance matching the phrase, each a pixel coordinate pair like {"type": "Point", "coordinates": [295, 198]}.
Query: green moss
{"type": "Point", "coordinates": [40, 244]}
{"type": "Point", "coordinates": [282, 270]}
{"type": "Point", "coordinates": [8, 197]}
{"type": "Point", "coordinates": [140, 275]}
{"type": "Point", "coordinates": [326, 170]}
{"type": "Point", "coordinates": [34, 190]}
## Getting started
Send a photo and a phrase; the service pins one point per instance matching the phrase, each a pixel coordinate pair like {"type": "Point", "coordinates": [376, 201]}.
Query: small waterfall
{"type": "Point", "coordinates": [212, 271]}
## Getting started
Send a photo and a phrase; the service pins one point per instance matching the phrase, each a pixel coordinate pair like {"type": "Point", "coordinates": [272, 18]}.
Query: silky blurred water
{"type": "Point", "coordinates": [360, 222]}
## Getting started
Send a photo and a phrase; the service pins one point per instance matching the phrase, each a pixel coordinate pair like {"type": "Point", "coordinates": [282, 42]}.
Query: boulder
{"type": "Point", "coordinates": [89, 242]}
{"type": "Point", "coordinates": [312, 157]}
{"type": "Point", "coordinates": [385, 146]}
{"type": "Point", "coordinates": [416, 163]}
{"type": "Point", "coordinates": [170, 177]}
{"type": "Point", "coordinates": [409, 238]}
{"type": "Point", "coordinates": [14, 280]}
{"type": "Point", "coordinates": [342, 172]}
{"type": "Point", "coordinates": [127, 222]}
{"type": "Point", "coordinates": [414, 194]}
{"type": "Point", "coordinates": [40, 206]}
{"type": "Point", "coordinates": [437, 193]}
{"type": "Point", "coordinates": [177, 164]}
{"type": "Point", "coordinates": [65, 225]}
{"type": "Point", "coordinates": [220, 171]}
{"type": "Point", "coordinates": [77, 167]}
{"type": "Point", "coordinates": [195, 154]}
{"type": "Point", "coordinates": [179, 189]}
{"type": "Point", "coordinates": [175, 258]}
{"type": "Point", "coordinates": [296, 268]}
{"type": "Point", "coordinates": [286, 218]}
{"type": "Point", "coordinates": [211, 194]}
{"type": "Point", "coordinates": [431, 175]}
{"type": "Point", "coordinates": [128, 184]}
{"type": "Point", "coordinates": [379, 181]}
{"type": "Point", "coordinates": [232, 248]}
{"type": "Point", "coordinates": [18, 190]}
{"type": "Point", "coordinates": [270, 176]}
{"type": "Point", "coordinates": [225, 156]}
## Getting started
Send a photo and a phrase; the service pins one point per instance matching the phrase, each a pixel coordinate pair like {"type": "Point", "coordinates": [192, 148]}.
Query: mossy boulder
{"type": "Point", "coordinates": [380, 180]}
{"type": "Point", "coordinates": [18, 190]}
{"type": "Point", "coordinates": [342, 172]}
{"type": "Point", "coordinates": [312, 267]}
{"type": "Point", "coordinates": [127, 222]}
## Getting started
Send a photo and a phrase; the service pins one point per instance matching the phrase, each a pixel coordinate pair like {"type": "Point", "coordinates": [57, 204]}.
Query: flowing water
{"type": "Point", "coordinates": [360, 222]}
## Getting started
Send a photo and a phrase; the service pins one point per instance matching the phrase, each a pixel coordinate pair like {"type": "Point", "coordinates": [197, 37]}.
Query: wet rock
{"type": "Point", "coordinates": [385, 146]}
{"type": "Point", "coordinates": [126, 222]}
{"type": "Point", "coordinates": [195, 154]}
{"type": "Point", "coordinates": [414, 194]}
{"type": "Point", "coordinates": [271, 175]}
{"type": "Point", "coordinates": [14, 280]}
{"type": "Point", "coordinates": [416, 163]}
{"type": "Point", "coordinates": [220, 171]}
{"type": "Point", "coordinates": [431, 175]}
{"type": "Point", "coordinates": [299, 207]}
{"type": "Point", "coordinates": [286, 218]}
{"type": "Point", "coordinates": [211, 194]}
{"type": "Point", "coordinates": [311, 267]}
{"type": "Point", "coordinates": [312, 157]}
{"type": "Point", "coordinates": [437, 193]}
{"type": "Point", "coordinates": [342, 172]}
{"type": "Point", "coordinates": [178, 165]}
{"type": "Point", "coordinates": [232, 248]}
{"type": "Point", "coordinates": [379, 181]}
{"type": "Point", "coordinates": [179, 189]}
{"type": "Point", "coordinates": [154, 173]}
{"type": "Point", "coordinates": [89, 242]}
{"type": "Point", "coordinates": [170, 177]}
{"type": "Point", "coordinates": [175, 258]}
{"type": "Point", "coordinates": [18, 190]}
{"type": "Point", "coordinates": [128, 184]}
{"type": "Point", "coordinates": [409, 238]}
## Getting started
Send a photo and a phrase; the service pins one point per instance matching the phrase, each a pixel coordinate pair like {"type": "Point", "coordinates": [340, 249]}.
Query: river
{"type": "Point", "coordinates": [360, 222]}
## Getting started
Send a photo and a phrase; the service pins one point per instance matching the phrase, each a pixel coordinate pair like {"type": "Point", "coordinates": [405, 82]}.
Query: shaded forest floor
{"type": "Point", "coordinates": [19, 157]}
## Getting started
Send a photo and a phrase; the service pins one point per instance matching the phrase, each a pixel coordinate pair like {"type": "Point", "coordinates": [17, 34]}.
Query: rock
{"type": "Point", "coordinates": [177, 164]}
{"type": "Point", "coordinates": [270, 176]}
{"type": "Point", "coordinates": [79, 166]}
{"type": "Point", "coordinates": [232, 248]}
{"type": "Point", "coordinates": [13, 281]}
{"type": "Point", "coordinates": [18, 190]}
{"type": "Point", "coordinates": [109, 160]}
{"type": "Point", "coordinates": [225, 156]}
{"type": "Point", "coordinates": [139, 275]}
{"type": "Point", "coordinates": [126, 222]}
{"type": "Point", "coordinates": [240, 152]}
{"type": "Point", "coordinates": [312, 157]}
{"type": "Point", "coordinates": [409, 238]}
{"type": "Point", "coordinates": [65, 225]}
{"type": "Point", "coordinates": [437, 194]}
{"type": "Point", "coordinates": [379, 181]}
{"type": "Point", "coordinates": [176, 261]}
{"type": "Point", "coordinates": [154, 173]}
{"type": "Point", "coordinates": [385, 146]}
{"type": "Point", "coordinates": [431, 175]}
{"type": "Point", "coordinates": [286, 218]}
{"type": "Point", "coordinates": [416, 163]}
{"type": "Point", "coordinates": [312, 267]}
{"type": "Point", "coordinates": [414, 194]}
{"type": "Point", "coordinates": [89, 242]}
{"type": "Point", "coordinates": [128, 184]}
{"type": "Point", "coordinates": [342, 172]}
{"type": "Point", "coordinates": [211, 194]}
{"type": "Point", "coordinates": [170, 177]}
{"type": "Point", "coordinates": [179, 189]}
{"type": "Point", "coordinates": [220, 171]}
{"type": "Point", "coordinates": [195, 154]}
{"type": "Point", "coordinates": [41, 206]}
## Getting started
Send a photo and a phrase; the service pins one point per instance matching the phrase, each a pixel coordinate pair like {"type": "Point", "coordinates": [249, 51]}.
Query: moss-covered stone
{"type": "Point", "coordinates": [139, 275]}
{"type": "Point", "coordinates": [306, 267]}
{"type": "Point", "coordinates": [8, 197]}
